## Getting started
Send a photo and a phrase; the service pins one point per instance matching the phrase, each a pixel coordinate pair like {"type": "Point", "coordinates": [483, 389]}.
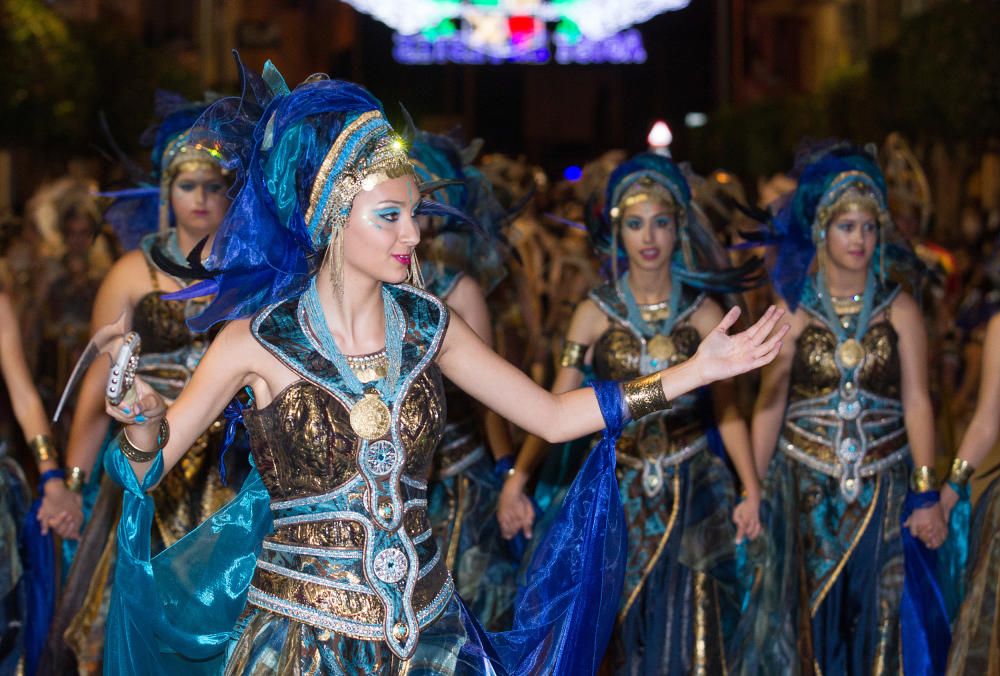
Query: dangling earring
{"type": "Point", "coordinates": [335, 257]}
{"type": "Point", "coordinates": [686, 247]}
{"type": "Point", "coordinates": [416, 277]}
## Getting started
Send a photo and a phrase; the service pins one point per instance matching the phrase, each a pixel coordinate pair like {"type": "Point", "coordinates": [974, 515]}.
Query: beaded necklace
{"type": "Point", "coordinates": [657, 344]}
{"type": "Point", "coordinates": [370, 404]}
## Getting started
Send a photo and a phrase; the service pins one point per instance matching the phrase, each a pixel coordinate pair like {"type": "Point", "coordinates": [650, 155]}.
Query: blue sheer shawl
{"type": "Point", "coordinates": [174, 613]}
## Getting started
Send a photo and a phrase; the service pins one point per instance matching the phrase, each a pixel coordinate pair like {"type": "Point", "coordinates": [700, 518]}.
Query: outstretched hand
{"type": "Point", "coordinates": [721, 356]}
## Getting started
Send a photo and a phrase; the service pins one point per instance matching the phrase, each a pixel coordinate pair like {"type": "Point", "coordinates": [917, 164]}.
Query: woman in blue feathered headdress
{"type": "Point", "coordinates": [678, 494]}
{"type": "Point", "coordinates": [846, 405]}
{"type": "Point", "coordinates": [181, 202]}
{"type": "Point", "coordinates": [325, 562]}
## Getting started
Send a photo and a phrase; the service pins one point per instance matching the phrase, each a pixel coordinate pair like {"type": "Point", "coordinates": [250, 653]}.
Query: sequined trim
{"type": "Point", "coordinates": [362, 630]}
{"type": "Point", "coordinates": [314, 579]}
{"type": "Point", "coordinates": [414, 483]}
{"type": "Point", "coordinates": [666, 460]}
{"type": "Point", "coordinates": [316, 499]}
{"type": "Point", "coordinates": [417, 539]}
{"type": "Point", "coordinates": [324, 552]}
{"type": "Point", "coordinates": [429, 566]}
{"type": "Point", "coordinates": [835, 470]}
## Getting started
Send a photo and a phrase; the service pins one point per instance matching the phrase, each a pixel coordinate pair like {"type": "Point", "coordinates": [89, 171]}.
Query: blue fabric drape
{"type": "Point", "coordinates": [953, 556]}
{"type": "Point", "coordinates": [924, 626]}
{"type": "Point", "coordinates": [175, 613]}
{"type": "Point", "coordinates": [39, 578]}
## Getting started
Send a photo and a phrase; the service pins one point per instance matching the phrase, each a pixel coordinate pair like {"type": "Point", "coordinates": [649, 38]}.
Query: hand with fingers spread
{"type": "Point", "coordinates": [721, 356]}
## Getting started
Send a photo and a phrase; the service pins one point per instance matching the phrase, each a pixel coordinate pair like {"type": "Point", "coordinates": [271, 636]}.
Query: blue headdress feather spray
{"type": "Point", "coordinates": [135, 211]}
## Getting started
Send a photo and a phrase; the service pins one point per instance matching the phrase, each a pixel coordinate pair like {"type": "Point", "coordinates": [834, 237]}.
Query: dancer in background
{"type": "Point", "coordinates": [161, 224]}
{"type": "Point", "coordinates": [843, 428]}
{"type": "Point", "coordinates": [461, 264]}
{"type": "Point", "coordinates": [681, 594]}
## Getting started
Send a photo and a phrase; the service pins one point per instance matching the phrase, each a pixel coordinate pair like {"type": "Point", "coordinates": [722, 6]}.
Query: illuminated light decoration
{"type": "Point", "coordinates": [695, 120]}
{"type": "Point", "coordinates": [517, 31]}
{"type": "Point", "coordinates": [660, 135]}
{"type": "Point", "coordinates": [573, 173]}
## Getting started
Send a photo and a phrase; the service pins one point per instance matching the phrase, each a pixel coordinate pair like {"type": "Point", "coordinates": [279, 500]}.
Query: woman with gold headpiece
{"type": "Point", "coordinates": [327, 556]}
{"type": "Point", "coordinates": [842, 582]}
{"type": "Point", "coordinates": [681, 587]}
{"type": "Point", "coordinates": [161, 224]}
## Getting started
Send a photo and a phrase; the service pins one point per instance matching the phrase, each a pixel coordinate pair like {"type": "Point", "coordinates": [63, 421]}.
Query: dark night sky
{"type": "Point", "coordinates": [677, 78]}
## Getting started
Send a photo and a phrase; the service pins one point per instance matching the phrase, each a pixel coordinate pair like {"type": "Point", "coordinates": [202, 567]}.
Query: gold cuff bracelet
{"type": "Point", "coordinates": [923, 479]}
{"type": "Point", "coordinates": [645, 395]}
{"type": "Point", "coordinates": [961, 472]}
{"type": "Point", "coordinates": [43, 449]}
{"type": "Point", "coordinates": [572, 355]}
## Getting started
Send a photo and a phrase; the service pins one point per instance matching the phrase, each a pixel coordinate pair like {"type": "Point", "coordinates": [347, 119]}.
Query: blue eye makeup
{"type": "Point", "coordinates": [388, 214]}
{"type": "Point", "coordinates": [633, 224]}
{"type": "Point", "coordinates": [664, 222]}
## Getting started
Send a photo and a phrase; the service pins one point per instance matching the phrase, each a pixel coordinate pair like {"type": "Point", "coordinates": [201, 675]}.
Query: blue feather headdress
{"type": "Point", "coordinates": [301, 157]}
{"type": "Point", "coordinates": [145, 207]}
{"type": "Point", "coordinates": [829, 177]}
{"type": "Point", "coordinates": [701, 262]}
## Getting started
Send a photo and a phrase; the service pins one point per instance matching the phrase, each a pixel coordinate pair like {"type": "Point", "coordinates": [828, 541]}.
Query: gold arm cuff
{"type": "Point", "coordinates": [43, 449]}
{"type": "Point", "coordinates": [135, 454]}
{"type": "Point", "coordinates": [923, 479]}
{"type": "Point", "coordinates": [644, 396]}
{"type": "Point", "coordinates": [74, 479]}
{"type": "Point", "coordinates": [961, 472]}
{"type": "Point", "coordinates": [572, 355]}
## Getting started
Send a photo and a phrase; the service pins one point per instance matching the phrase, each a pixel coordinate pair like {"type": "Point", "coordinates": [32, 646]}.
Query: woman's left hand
{"type": "Point", "coordinates": [746, 516]}
{"type": "Point", "coordinates": [928, 524]}
{"type": "Point", "coordinates": [721, 356]}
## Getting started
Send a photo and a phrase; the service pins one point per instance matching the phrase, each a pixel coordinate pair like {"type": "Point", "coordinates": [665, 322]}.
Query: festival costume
{"type": "Point", "coordinates": [681, 587]}
{"type": "Point", "coordinates": [681, 595]}
{"type": "Point", "coordinates": [335, 568]}
{"type": "Point", "coordinates": [171, 352]}
{"type": "Point", "coordinates": [841, 586]}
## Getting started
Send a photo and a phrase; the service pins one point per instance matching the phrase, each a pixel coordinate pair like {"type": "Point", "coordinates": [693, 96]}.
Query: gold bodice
{"type": "Point", "coordinates": [814, 369]}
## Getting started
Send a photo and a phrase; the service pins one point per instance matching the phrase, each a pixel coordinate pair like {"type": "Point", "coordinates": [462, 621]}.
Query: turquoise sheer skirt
{"type": "Point", "coordinates": [265, 643]}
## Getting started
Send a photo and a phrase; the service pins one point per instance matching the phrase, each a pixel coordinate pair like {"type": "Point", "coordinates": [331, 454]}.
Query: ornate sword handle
{"type": "Point", "coordinates": [122, 375]}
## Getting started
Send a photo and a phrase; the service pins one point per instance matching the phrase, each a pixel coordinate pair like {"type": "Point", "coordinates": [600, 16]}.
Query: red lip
{"type": "Point", "coordinates": [650, 253]}
{"type": "Point", "coordinates": [200, 212]}
{"type": "Point", "coordinates": [403, 260]}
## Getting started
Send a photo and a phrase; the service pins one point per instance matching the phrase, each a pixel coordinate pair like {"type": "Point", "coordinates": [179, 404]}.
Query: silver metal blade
{"type": "Point", "coordinates": [103, 342]}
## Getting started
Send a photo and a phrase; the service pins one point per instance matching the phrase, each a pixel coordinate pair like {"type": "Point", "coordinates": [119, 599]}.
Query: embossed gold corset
{"type": "Point", "coordinates": [814, 417]}
{"type": "Point", "coordinates": [331, 562]}
{"type": "Point", "coordinates": [663, 438]}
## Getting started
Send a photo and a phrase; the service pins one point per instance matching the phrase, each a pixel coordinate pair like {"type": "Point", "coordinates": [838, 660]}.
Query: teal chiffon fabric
{"type": "Point", "coordinates": [175, 613]}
